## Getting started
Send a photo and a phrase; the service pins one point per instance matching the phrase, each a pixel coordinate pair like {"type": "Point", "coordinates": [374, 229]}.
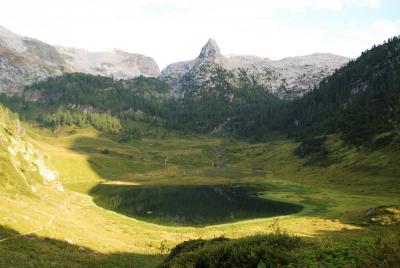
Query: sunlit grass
{"type": "Point", "coordinates": [331, 195]}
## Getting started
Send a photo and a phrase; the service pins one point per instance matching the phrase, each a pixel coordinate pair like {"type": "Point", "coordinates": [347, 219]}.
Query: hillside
{"type": "Point", "coordinates": [24, 168]}
{"type": "Point", "coordinates": [85, 100]}
{"type": "Point", "coordinates": [245, 110]}
{"type": "Point", "coordinates": [359, 101]}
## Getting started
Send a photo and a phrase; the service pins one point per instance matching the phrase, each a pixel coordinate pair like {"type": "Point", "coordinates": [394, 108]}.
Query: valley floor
{"type": "Point", "coordinates": [70, 228]}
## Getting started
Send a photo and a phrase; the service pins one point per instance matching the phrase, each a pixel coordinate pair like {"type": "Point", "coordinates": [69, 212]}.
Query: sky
{"type": "Point", "coordinates": [175, 30]}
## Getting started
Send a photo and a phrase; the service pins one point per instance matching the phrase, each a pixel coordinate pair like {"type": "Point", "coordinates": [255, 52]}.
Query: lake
{"type": "Point", "coordinates": [190, 205]}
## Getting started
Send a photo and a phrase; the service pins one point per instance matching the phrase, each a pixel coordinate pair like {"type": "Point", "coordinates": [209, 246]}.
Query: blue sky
{"type": "Point", "coordinates": [174, 30]}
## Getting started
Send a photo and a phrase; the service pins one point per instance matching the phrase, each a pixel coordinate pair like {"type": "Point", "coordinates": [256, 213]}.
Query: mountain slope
{"type": "Point", "coordinates": [18, 70]}
{"type": "Point", "coordinates": [24, 60]}
{"type": "Point", "coordinates": [287, 78]}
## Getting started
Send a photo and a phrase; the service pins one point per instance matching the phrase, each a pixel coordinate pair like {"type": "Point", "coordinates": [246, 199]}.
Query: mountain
{"type": "Point", "coordinates": [287, 77]}
{"type": "Point", "coordinates": [25, 60]}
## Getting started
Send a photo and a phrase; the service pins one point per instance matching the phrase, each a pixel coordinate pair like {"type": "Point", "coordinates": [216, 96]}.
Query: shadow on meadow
{"type": "Point", "coordinates": [34, 251]}
{"type": "Point", "coordinates": [114, 161]}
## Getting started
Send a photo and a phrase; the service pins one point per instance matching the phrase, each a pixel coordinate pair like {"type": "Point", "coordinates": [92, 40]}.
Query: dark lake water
{"type": "Point", "coordinates": [190, 205]}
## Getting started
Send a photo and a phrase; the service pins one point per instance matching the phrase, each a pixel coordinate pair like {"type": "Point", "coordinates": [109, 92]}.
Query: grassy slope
{"type": "Point", "coordinates": [333, 196]}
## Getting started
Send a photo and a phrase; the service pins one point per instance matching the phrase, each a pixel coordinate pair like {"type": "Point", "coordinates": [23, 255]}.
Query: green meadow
{"type": "Point", "coordinates": [128, 204]}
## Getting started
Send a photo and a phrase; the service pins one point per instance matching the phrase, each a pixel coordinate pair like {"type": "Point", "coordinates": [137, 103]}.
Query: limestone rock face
{"type": "Point", "coordinates": [210, 52]}
{"type": "Point", "coordinates": [24, 61]}
{"type": "Point", "coordinates": [288, 77]}
{"type": "Point", "coordinates": [116, 63]}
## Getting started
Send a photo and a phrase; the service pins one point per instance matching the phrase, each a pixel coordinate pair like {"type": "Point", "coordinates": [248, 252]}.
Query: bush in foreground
{"type": "Point", "coordinates": [283, 250]}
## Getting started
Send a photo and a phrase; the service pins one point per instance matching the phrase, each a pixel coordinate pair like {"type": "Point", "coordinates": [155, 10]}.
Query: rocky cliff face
{"type": "Point", "coordinates": [18, 70]}
{"type": "Point", "coordinates": [25, 60]}
{"type": "Point", "coordinates": [287, 78]}
{"type": "Point", "coordinates": [116, 63]}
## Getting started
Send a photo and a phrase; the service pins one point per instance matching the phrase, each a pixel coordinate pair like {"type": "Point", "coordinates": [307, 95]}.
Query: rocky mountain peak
{"type": "Point", "coordinates": [210, 51]}
{"type": "Point", "coordinates": [287, 78]}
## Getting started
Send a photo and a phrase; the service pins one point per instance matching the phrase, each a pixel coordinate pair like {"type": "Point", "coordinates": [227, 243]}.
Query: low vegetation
{"type": "Point", "coordinates": [282, 250]}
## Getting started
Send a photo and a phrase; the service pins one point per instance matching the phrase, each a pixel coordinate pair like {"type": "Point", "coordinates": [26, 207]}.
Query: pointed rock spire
{"type": "Point", "coordinates": [210, 50]}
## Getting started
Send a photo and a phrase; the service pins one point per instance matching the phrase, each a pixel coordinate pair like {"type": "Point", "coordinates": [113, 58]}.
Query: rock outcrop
{"type": "Point", "coordinates": [21, 161]}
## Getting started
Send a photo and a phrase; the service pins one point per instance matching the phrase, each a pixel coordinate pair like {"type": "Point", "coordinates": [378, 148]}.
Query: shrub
{"type": "Point", "coordinates": [282, 250]}
{"type": "Point", "coordinates": [271, 250]}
